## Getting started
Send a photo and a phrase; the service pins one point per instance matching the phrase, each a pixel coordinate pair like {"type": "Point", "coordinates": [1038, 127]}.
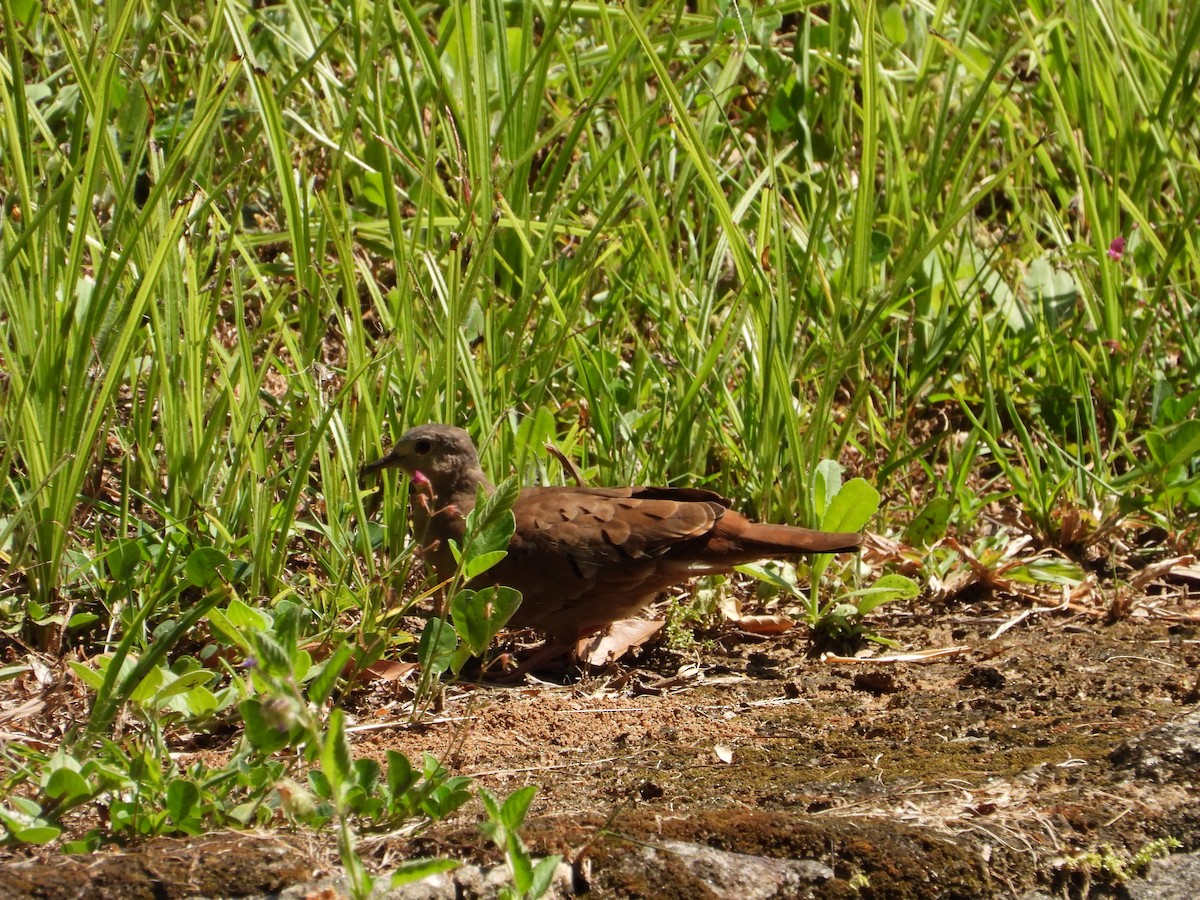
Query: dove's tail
{"type": "Point", "coordinates": [785, 540]}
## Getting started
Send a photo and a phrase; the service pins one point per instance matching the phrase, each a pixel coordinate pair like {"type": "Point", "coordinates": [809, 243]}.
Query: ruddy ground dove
{"type": "Point", "coordinates": [583, 558]}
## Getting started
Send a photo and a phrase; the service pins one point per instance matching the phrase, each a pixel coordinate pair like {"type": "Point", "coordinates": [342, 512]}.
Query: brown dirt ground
{"type": "Point", "coordinates": [972, 775]}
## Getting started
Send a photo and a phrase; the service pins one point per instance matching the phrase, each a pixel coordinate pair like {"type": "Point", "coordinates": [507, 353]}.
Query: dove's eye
{"type": "Point", "coordinates": [422, 447]}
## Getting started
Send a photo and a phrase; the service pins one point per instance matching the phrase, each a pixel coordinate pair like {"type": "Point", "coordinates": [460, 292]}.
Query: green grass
{"type": "Point", "coordinates": [242, 248]}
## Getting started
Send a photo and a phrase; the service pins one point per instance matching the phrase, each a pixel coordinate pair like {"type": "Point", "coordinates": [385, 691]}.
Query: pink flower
{"type": "Point", "coordinates": [1117, 248]}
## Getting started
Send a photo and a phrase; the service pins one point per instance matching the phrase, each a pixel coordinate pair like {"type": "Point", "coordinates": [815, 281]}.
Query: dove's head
{"type": "Point", "coordinates": [440, 456]}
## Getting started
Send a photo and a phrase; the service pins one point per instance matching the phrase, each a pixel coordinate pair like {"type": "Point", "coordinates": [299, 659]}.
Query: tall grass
{"type": "Point", "coordinates": [241, 246]}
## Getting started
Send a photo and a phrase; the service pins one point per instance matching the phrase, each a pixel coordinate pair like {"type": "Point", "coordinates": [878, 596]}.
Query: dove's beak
{"type": "Point", "coordinates": [390, 461]}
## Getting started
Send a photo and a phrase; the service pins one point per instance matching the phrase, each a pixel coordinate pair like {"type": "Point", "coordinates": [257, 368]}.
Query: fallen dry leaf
{"type": "Point", "coordinates": [619, 639]}
{"type": "Point", "coordinates": [765, 624]}
{"type": "Point", "coordinates": [919, 656]}
{"type": "Point", "coordinates": [390, 670]}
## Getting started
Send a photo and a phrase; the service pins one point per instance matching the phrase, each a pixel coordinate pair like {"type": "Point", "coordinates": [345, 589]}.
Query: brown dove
{"type": "Point", "coordinates": [583, 558]}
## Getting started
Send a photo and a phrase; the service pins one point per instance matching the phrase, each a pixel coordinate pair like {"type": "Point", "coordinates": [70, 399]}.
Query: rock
{"type": "Point", "coordinates": [741, 875]}
{"type": "Point", "coordinates": [1169, 752]}
{"type": "Point", "coordinates": [1171, 878]}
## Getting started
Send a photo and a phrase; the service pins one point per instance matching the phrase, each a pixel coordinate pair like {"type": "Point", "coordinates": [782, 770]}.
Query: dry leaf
{"type": "Point", "coordinates": [730, 607]}
{"type": "Point", "coordinates": [765, 624]}
{"type": "Point", "coordinates": [621, 637]}
{"type": "Point", "coordinates": [918, 656]}
{"type": "Point", "coordinates": [390, 670]}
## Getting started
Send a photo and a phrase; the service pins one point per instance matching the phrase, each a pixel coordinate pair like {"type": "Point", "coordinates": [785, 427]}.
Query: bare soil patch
{"type": "Point", "coordinates": [970, 776]}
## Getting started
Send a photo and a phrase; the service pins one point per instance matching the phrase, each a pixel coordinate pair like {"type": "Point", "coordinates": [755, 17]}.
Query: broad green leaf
{"type": "Point", "coordinates": [323, 682]}
{"type": "Point", "coordinates": [519, 863]}
{"type": "Point", "coordinates": [400, 774]}
{"type": "Point", "coordinates": [88, 675]}
{"type": "Point", "coordinates": [183, 683]}
{"type": "Point", "coordinates": [490, 533]}
{"type": "Point", "coordinates": [366, 773]}
{"type": "Point", "coordinates": [929, 525]}
{"type": "Point", "coordinates": [1176, 446]}
{"type": "Point", "coordinates": [23, 10]}
{"type": "Point", "coordinates": [32, 834]}
{"type": "Point", "coordinates": [1054, 288]}
{"type": "Point", "coordinates": [417, 869]}
{"type": "Point", "coordinates": [479, 615]}
{"type": "Point", "coordinates": [512, 814]}
{"type": "Point", "coordinates": [892, 22]}
{"type": "Point", "coordinates": [1048, 571]}
{"type": "Point", "coordinates": [149, 686]}
{"type": "Point", "coordinates": [123, 559]}
{"type": "Point", "coordinates": [479, 564]}
{"type": "Point", "coordinates": [852, 508]}
{"type": "Point", "coordinates": [227, 630]}
{"type": "Point", "coordinates": [336, 759]}
{"type": "Point", "coordinates": [491, 805]}
{"type": "Point", "coordinates": [13, 671]}
{"type": "Point", "coordinates": [263, 737]}
{"type": "Point", "coordinates": [207, 567]}
{"type": "Point", "coordinates": [197, 703]}
{"type": "Point", "coordinates": [827, 482]}
{"type": "Point", "coordinates": [67, 785]}
{"type": "Point", "coordinates": [437, 645]}
{"type": "Point", "coordinates": [183, 800]}
{"type": "Point", "coordinates": [886, 589]}
{"type": "Point", "coordinates": [769, 575]}
{"type": "Point", "coordinates": [543, 874]}
{"type": "Point", "coordinates": [242, 615]}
